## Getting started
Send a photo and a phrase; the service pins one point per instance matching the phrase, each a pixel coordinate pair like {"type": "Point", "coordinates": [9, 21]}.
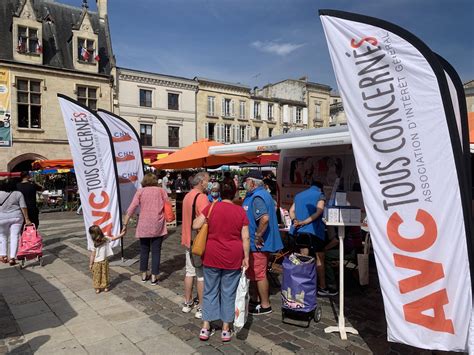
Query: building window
{"type": "Point", "coordinates": [299, 115]}
{"type": "Point", "coordinates": [242, 110]}
{"type": "Point", "coordinates": [28, 41]}
{"type": "Point", "coordinates": [146, 137]}
{"type": "Point", "coordinates": [145, 98]}
{"type": "Point", "coordinates": [86, 51]}
{"type": "Point", "coordinates": [270, 132]}
{"type": "Point", "coordinates": [227, 133]}
{"type": "Point", "coordinates": [227, 110]}
{"type": "Point", "coordinates": [318, 112]}
{"type": "Point", "coordinates": [211, 105]}
{"type": "Point", "coordinates": [29, 103]}
{"type": "Point", "coordinates": [211, 131]}
{"type": "Point", "coordinates": [256, 110]}
{"type": "Point", "coordinates": [242, 133]}
{"type": "Point", "coordinates": [173, 101]}
{"type": "Point", "coordinates": [87, 96]}
{"type": "Point", "coordinates": [270, 112]}
{"type": "Point", "coordinates": [173, 137]}
{"type": "Point", "coordinates": [257, 132]}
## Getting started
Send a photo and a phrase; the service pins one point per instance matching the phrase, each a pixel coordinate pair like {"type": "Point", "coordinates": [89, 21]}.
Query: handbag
{"type": "Point", "coordinates": [199, 243]}
{"type": "Point", "coordinates": [169, 214]}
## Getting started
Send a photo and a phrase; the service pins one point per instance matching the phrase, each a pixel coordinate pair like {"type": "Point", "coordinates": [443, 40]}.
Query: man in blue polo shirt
{"type": "Point", "coordinates": [264, 239]}
{"type": "Point", "coordinates": [306, 215]}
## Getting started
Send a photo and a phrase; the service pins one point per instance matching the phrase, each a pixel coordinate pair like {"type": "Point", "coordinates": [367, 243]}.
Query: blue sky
{"type": "Point", "coordinates": [256, 42]}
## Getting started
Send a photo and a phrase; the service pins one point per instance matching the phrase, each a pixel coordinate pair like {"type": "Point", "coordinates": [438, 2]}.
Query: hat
{"type": "Point", "coordinates": [254, 174]}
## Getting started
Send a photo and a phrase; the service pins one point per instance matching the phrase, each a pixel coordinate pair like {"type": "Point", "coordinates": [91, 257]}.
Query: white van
{"type": "Point", "coordinates": [323, 154]}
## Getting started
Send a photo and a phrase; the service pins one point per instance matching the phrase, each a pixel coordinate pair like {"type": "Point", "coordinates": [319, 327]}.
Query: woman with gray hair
{"type": "Point", "coordinates": [13, 212]}
{"type": "Point", "coordinates": [214, 194]}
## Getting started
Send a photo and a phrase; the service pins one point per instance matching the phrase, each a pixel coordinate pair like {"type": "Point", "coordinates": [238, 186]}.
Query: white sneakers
{"type": "Point", "coordinates": [188, 307]}
{"type": "Point", "coordinates": [198, 314]}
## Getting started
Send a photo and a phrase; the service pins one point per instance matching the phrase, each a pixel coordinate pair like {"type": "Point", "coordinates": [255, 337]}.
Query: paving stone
{"type": "Point", "coordinates": [67, 347]}
{"type": "Point", "coordinates": [29, 309]}
{"type": "Point", "coordinates": [89, 333]}
{"type": "Point", "coordinates": [112, 346]}
{"type": "Point", "coordinates": [290, 346]}
{"type": "Point", "coordinates": [166, 345]}
{"type": "Point", "coordinates": [141, 329]}
{"type": "Point", "coordinates": [208, 350]}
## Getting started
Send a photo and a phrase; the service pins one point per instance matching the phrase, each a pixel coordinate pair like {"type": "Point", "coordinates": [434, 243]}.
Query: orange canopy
{"type": "Point", "coordinates": [52, 164]}
{"type": "Point", "coordinates": [471, 127]}
{"type": "Point", "coordinates": [197, 155]}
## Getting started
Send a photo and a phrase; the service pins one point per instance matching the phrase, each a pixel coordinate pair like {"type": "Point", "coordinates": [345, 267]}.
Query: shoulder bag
{"type": "Point", "coordinates": [168, 208]}
{"type": "Point", "coordinates": [199, 244]}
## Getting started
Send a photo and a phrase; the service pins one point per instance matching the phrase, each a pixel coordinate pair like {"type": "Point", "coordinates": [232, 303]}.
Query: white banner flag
{"type": "Point", "coordinates": [409, 159]}
{"type": "Point", "coordinates": [128, 156]}
{"type": "Point", "coordinates": [93, 156]}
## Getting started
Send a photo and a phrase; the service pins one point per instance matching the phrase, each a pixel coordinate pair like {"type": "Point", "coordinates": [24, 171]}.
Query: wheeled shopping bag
{"type": "Point", "coordinates": [298, 290]}
{"type": "Point", "coordinates": [30, 246]}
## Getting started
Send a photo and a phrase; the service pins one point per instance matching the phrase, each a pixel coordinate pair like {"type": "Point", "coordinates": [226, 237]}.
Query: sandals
{"type": "Point", "coordinates": [147, 277]}
{"type": "Point", "coordinates": [154, 282]}
{"type": "Point", "coordinates": [4, 259]}
{"type": "Point", "coordinates": [12, 262]}
{"type": "Point", "coordinates": [226, 335]}
{"type": "Point", "coordinates": [204, 334]}
{"type": "Point", "coordinates": [97, 291]}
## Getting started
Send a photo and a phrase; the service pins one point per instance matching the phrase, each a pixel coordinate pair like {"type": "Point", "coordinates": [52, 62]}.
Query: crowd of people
{"type": "Point", "coordinates": [242, 235]}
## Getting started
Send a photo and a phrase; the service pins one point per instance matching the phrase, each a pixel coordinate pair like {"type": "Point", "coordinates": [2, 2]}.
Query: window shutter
{"type": "Point", "coordinates": [247, 133]}
{"type": "Point", "coordinates": [206, 130]}
{"type": "Point", "coordinates": [305, 115]}
{"type": "Point", "coordinates": [232, 112]}
{"type": "Point", "coordinates": [222, 133]}
{"type": "Point", "coordinates": [263, 112]}
{"type": "Point", "coordinates": [217, 132]}
{"type": "Point", "coordinates": [252, 110]}
{"type": "Point", "coordinates": [286, 114]}
{"type": "Point", "coordinates": [223, 107]}
{"type": "Point", "coordinates": [236, 134]}
{"type": "Point", "coordinates": [294, 115]}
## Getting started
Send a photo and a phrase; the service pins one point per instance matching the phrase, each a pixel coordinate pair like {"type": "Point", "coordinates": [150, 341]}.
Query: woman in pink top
{"type": "Point", "coordinates": [151, 227]}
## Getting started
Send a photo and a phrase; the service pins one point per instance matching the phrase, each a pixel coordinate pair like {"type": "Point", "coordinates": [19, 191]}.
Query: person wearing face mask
{"type": "Point", "coordinates": [214, 194]}
{"type": "Point", "coordinates": [264, 239]}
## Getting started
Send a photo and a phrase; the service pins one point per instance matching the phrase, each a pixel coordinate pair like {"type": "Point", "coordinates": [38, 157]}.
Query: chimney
{"type": "Point", "coordinates": [102, 9]}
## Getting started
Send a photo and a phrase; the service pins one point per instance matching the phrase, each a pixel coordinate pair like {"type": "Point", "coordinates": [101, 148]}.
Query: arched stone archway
{"type": "Point", "coordinates": [18, 163]}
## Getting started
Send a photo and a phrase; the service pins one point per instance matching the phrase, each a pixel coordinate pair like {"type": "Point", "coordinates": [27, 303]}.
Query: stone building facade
{"type": "Point", "coordinates": [304, 104]}
{"type": "Point", "coordinates": [50, 48]}
{"type": "Point", "coordinates": [230, 113]}
{"type": "Point", "coordinates": [162, 108]}
{"type": "Point", "coordinates": [469, 92]}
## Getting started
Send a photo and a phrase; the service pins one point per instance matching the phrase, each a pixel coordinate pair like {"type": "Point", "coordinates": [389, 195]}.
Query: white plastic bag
{"type": "Point", "coordinates": [241, 303]}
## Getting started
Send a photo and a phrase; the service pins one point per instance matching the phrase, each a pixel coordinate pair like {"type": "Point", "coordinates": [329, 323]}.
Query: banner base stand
{"type": "Point", "coordinates": [123, 262]}
{"type": "Point", "coordinates": [341, 327]}
{"type": "Point", "coordinates": [343, 330]}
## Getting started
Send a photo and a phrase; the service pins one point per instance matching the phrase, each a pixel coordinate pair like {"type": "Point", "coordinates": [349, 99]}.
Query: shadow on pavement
{"type": "Point", "coordinates": [32, 309]}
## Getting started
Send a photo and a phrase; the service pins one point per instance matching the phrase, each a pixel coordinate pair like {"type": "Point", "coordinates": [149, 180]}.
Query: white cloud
{"type": "Point", "coordinates": [274, 47]}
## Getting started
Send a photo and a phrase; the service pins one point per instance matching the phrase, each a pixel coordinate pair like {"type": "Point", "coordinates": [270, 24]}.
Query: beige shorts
{"type": "Point", "coordinates": [191, 270]}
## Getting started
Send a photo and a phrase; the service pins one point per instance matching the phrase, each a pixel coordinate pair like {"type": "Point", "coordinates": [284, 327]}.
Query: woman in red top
{"type": "Point", "coordinates": [227, 251]}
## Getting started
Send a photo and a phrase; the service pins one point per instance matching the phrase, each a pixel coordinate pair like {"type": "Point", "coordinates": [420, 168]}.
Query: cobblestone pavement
{"type": "Point", "coordinates": [53, 309]}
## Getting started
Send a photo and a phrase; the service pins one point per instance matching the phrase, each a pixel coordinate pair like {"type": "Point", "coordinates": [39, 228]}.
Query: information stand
{"type": "Point", "coordinates": [341, 327]}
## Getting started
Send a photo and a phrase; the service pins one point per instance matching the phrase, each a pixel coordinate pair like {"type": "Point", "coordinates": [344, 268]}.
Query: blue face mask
{"type": "Point", "coordinates": [215, 194]}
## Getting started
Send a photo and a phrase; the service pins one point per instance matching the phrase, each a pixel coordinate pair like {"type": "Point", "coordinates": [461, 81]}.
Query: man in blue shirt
{"type": "Point", "coordinates": [306, 215]}
{"type": "Point", "coordinates": [264, 239]}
